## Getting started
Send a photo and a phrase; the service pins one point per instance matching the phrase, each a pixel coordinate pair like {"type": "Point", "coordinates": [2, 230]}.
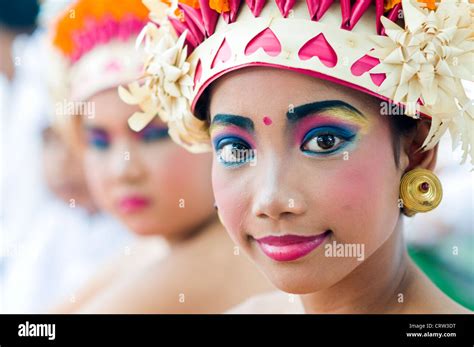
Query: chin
{"type": "Point", "coordinates": [138, 227]}
{"type": "Point", "coordinates": [303, 276]}
{"type": "Point", "coordinates": [295, 278]}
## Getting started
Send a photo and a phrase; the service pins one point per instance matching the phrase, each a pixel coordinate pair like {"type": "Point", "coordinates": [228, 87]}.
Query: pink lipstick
{"type": "Point", "coordinates": [132, 204]}
{"type": "Point", "coordinates": [290, 247]}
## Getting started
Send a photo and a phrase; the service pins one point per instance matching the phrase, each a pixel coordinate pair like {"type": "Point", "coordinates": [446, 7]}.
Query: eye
{"type": "Point", "coordinates": [322, 143]}
{"type": "Point", "coordinates": [98, 140]}
{"type": "Point", "coordinates": [232, 151]}
{"type": "Point", "coordinates": [153, 133]}
{"type": "Point", "coordinates": [326, 140]}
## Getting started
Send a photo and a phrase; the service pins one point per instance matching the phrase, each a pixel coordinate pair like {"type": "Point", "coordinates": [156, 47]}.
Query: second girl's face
{"type": "Point", "coordinates": [145, 179]}
{"type": "Point", "coordinates": [301, 166]}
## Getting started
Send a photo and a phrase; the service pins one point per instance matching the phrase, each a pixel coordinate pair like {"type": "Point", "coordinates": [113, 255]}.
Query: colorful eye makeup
{"type": "Point", "coordinates": [330, 111]}
{"type": "Point", "coordinates": [320, 129]}
{"type": "Point", "coordinates": [233, 146]}
{"type": "Point", "coordinates": [152, 133]}
{"type": "Point", "coordinates": [326, 134]}
{"type": "Point", "coordinates": [233, 152]}
{"type": "Point", "coordinates": [327, 127]}
{"type": "Point", "coordinates": [326, 140]}
{"type": "Point", "coordinates": [100, 139]}
{"type": "Point", "coordinates": [97, 139]}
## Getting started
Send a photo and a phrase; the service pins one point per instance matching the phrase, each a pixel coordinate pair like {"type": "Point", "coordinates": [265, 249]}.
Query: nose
{"type": "Point", "coordinates": [278, 195]}
{"type": "Point", "coordinates": [126, 164]}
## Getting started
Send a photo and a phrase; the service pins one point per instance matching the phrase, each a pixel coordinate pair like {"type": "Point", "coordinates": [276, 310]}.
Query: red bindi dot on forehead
{"type": "Point", "coordinates": [267, 120]}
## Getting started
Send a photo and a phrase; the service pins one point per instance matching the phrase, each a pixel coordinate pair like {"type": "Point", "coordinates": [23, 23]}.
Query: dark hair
{"type": "Point", "coordinates": [400, 125]}
{"type": "Point", "coordinates": [19, 15]}
{"type": "Point", "coordinates": [201, 111]}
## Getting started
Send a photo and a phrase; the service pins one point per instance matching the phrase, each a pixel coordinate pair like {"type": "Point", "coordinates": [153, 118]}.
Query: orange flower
{"type": "Point", "coordinates": [75, 17]}
{"type": "Point", "coordinates": [192, 3]}
{"type": "Point", "coordinates": [220, 5]}
{"type": "Point", "coordinates": [429, 4]}
{"type": "Point", "coordinates": [389, 4]}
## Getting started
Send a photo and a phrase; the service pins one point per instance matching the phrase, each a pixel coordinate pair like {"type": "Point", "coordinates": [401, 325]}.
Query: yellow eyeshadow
{"type": "Point", "coordinates": [215, 127]}
{"type": "Point", "coordinates": [348, 115]}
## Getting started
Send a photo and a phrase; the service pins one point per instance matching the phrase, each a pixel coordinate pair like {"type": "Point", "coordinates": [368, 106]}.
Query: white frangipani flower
{"type": "Point", "coordinates": [167, 88]}
{"type": "Point", "coordinates": [425, 61]}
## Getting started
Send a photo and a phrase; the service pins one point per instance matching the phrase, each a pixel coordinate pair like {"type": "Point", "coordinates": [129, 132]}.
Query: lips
{"type": "Point", "coordinates": [290, 247]}
{"type": "Point", "coordinates": [131, 204]}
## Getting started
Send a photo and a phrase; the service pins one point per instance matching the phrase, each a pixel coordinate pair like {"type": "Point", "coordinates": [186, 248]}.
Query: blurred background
{"type": "Point", "coordinates": [50, 243]}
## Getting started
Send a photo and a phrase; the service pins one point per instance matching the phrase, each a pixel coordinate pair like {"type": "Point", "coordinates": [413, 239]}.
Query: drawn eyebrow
{"type": "Point", "coordinates": [302, 111]}
{"type": "Point", "coordinates": [230, 119]}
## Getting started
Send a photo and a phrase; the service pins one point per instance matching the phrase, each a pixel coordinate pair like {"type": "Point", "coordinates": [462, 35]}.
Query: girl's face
{"type": "Point", "coordinates": [148, 182]}
{"type": "Point", "coordinates": [63, 170]}
{"type": "Point", "coordinates": [301, 166]}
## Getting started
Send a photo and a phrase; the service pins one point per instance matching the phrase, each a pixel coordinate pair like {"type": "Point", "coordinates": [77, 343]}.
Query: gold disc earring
{"type": "Point", "coordinates": [420, 191]}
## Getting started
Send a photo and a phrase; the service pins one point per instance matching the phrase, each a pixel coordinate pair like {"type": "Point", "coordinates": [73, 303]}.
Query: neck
{"type": "Point", "coordinates": [207, 225]}
{"type": "Point", "coordinates": [373, 287]}
{"type": "Point", "coordinates": [7, 67]}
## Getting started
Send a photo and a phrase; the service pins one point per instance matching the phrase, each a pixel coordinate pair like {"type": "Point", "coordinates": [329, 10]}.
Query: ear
{"type": "Point", "coordinates": [417, 158]}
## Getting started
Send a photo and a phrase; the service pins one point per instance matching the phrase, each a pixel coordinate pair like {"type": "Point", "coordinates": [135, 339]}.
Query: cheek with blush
{"type": "Point", "coordinates": [365, 199]}
{"type": "Point", "coordinates": [96, 178]}
{"type": "Point", "coordinates": [186, 175]}
{"type": "Point", "coordinates": [166, 180]}
{"type": "Point", "coordinates": [232, 201]}
{"type": "Point", "coordinates": [181, 180]}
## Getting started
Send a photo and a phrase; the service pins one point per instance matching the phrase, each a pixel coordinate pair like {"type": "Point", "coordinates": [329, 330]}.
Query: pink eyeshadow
{"type": "Point", "coordinates": [311, 122]}
{"type": "Point", "coordinates": [232, 130]}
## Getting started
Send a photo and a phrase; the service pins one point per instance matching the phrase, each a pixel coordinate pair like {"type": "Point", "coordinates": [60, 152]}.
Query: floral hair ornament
{"type": "Point", "coordinates": [167, 86]}
{"type": "Point", "coordinates": [356, 44]}
{"type": "Point", "coordinates": [427, 60]}
{"type": "Point", "coordinates": [93, 47]}
{"type": "Point", "coordinates": [92, 50]}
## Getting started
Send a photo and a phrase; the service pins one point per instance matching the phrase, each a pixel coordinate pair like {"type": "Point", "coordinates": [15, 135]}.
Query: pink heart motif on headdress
{"type": "Point", "coordinates": [198, 73]}
{"type": "Point", "coordinates": [223, 54]}
{"type": "Point", "coordinates": [319, 47]}
{"type": "Point", "coordinates": [366, 63]}
{"type": "Point", "coordinates": [266, 40]}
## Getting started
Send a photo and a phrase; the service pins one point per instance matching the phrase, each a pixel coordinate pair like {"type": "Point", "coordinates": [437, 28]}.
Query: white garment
{"type": "Point", "coordinates": [24, 114]}
{"type": "Point", "coordinates": [276, 302]}
{"type": "Point", "coordinates": [64, 249]}
{"type": "Point", "coordinates": [47, 249]}
{"type": "Point", "coordinates": [4, 94]}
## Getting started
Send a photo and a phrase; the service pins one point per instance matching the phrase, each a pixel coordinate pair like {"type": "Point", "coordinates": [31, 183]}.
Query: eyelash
{"type": "Point", "coordinates": [222, 143]}
{"type": "Point", "coordinates": [344, 136]}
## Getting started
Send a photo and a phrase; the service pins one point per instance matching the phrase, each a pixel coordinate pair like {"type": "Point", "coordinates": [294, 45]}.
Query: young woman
{"type": "Point", "coordinates": [149, 183]}
{"type": "Point", "coordinates": [315, 161]}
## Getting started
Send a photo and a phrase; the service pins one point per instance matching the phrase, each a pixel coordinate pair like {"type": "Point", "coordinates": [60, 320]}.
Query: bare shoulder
{"type": "Point", "coordinates": [201, 275]}
{"type": "Point", "coordinates": [208, 274]}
